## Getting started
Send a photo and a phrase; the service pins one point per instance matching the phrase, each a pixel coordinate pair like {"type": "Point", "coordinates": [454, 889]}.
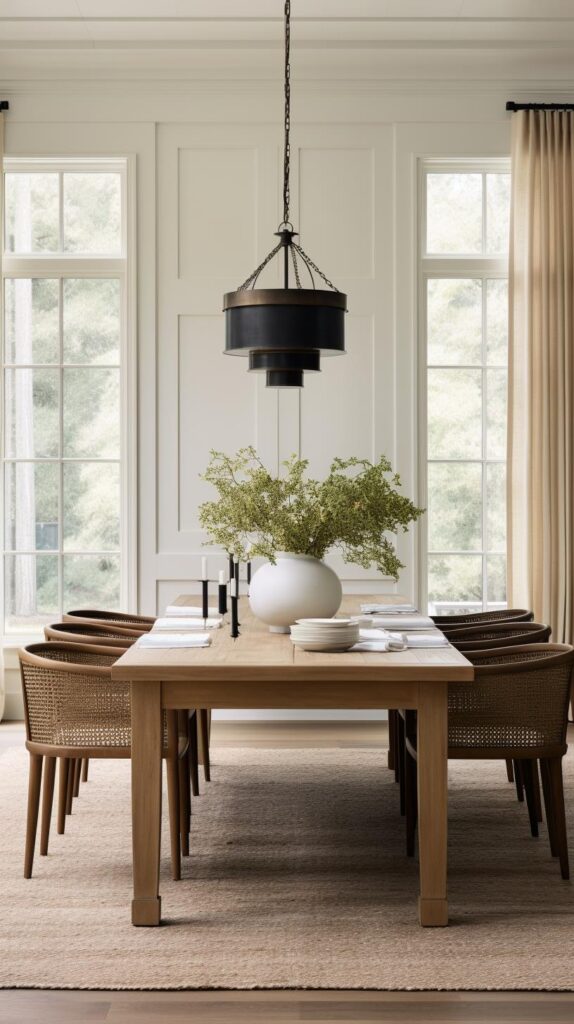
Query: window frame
{"type": "Point", "coordinates": [59, 266]}
{"type": "Point", "coordinates": [474, 266]}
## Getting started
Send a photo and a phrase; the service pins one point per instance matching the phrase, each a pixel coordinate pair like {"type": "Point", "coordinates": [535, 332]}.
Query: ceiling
{"type": "Point", "coordinates": [331, 23]}
{"type": "Point", "coordinates": [382, 38]}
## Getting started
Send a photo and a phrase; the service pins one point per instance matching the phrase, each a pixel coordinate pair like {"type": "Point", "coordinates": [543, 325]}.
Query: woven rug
{"type": "Point", "coordinates": [297, 879]}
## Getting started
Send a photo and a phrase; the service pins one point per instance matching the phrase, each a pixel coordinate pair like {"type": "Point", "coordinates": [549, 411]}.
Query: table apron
{"type": "Point", "coordinates": [296, 694]}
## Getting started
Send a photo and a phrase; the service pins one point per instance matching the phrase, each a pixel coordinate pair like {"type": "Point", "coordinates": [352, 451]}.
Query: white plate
{"type": "Point", "coordinates": [338, 635]}
{"type": "Point", "coordinates": [315, 645]}
{"type": "Point", "coordinates": [322, 623]}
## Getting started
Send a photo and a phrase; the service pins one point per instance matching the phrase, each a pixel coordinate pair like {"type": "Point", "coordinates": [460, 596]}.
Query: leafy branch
{"type": "Point", "coordinates": [356, 509]}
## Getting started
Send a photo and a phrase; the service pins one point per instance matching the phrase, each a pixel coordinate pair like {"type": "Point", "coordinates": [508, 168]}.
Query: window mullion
{"type": "Point", "coordinates": [61, 454]}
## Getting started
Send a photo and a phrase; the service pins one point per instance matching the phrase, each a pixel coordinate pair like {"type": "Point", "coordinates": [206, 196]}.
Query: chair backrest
{"type": "Point", "coordinates": [85, 633]}
{"type": "Point", "coordinates": [497, 634]}
{"type": "Point", "coordinates": [519, 700]}
{"type": "Point", "coordinates": [70, 699]}
{"type": "Point", "coordinates": [497, 615]}
{"type": "Point", "coordinates": [97, 615]}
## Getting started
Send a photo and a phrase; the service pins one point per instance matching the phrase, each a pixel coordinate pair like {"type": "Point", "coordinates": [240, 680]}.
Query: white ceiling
{"type": "Point", "coordinates": [518, 40]}
{"type": "Point", "coordinates": [316, 23]}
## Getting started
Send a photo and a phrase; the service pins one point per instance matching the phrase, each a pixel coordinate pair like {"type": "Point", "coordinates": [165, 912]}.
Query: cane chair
{"type": "Point", "coordinates": [517, 709]}
{"type": "Point", "coordinates": [475, 618]}
{"type": "Point", "coordinates": [93, 616]}
{"type": "Point", "coordinates": [86, 633]}
{"type": "Point", "coordinates": [445, 623]}
{"type": "Point", "coordinates": [97, 615]}
{"type": "Point", "coordinates": [497, 634]}
{"type": "Point", "coordinates": [74, 709]}
{"type": "Point", "coordinates": [112, 635]}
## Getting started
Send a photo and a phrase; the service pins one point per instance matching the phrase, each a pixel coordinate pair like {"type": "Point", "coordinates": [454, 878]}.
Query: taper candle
{"type": "Point", "coordinates": [203, 567]}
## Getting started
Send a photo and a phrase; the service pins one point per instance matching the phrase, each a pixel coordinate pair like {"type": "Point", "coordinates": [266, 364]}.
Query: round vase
{"type": "Point", "coordinates": [296, 587]}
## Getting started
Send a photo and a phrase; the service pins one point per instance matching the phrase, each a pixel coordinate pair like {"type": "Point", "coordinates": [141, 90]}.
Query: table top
{"type": "Point", "coordinates": [260, 655]}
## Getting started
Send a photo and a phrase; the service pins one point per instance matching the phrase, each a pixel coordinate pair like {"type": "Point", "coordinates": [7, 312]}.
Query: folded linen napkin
{"type": "Point", "coordinates": [426, 639]}
{"type": "Point", "coordinates": [189, 623]}
{"type": "Point", "coordinates": [392, 621]}
{"type": "Point", "coordinates": [175, 610]}
{"type": "Point", "coordinates": [157, 640]}
{"type": "Point", "coordinates": [379, 640]}
{"type": "Point", "coordinates": [419, 640]}
{"type": "Point", "coordinates": [387, 609]}
{"type": "Point", "coordinates": [379, 645]}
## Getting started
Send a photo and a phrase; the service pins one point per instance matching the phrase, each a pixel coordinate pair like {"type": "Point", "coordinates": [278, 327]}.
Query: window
{"type": "Point", "coordinates": [64, 354]}
{"type": "Point", "coordinates": [464, 268]}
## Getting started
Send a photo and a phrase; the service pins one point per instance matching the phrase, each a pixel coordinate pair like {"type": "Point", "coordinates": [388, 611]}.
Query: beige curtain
{"type": "Point", "coordinates": [2, 677]}
{"type": "Point", "coordinates": [541, 369]}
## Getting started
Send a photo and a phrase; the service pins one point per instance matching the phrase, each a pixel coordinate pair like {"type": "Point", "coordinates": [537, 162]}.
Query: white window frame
{"type": "Point", "coordinates": [479, 267]}
{"type": "Point", "coordinates": [122, 268]}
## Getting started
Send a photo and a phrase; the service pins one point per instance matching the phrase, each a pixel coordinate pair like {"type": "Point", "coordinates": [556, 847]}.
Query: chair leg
{"type": "Point", "coordinates": [400, 758]}
{"type": "Point", "coordinates": [411, 809]}
{"type": "Point", "coordinates": [392, 743]}
{"type": "Point", "coordinates": [85, 766]}
{"type": "Point", "coordinates": [184, 803]}
{"type": "Point", "coordinates": [518, 781]}
{"type": "Point", "coordinates": [528, 780]}
{"type": "Point", "coordinates": [547, 793]}
{"type": "Point", "coordinates": [173, 794]}
{"type": "Point", "coordinates": [509, 770]}
{"type": "Point", "coordinates": [63, 794]}
{"type": "Point", "coordinates": [558, 813]}
{"type": "Point", "coordinates": [77, 775]}
{"type": "Point", "coordinates": [537, 797]}
{"type": "Point", "coordinates": [47, 801]}
{"type": "Point", "coordinates": [34, 783]}
{"type": "Point", "coordinates": [193, 754]}
{"type": "Point", "coordinates": [70, 790]}
{"type": "Point", "coordinates": [204, 743]}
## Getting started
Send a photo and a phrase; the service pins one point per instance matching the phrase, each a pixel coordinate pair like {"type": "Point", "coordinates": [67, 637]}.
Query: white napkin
{"type": "Point", "coordinates": [426, 639]}
{"type": "Point", "coordinates": [387, 609]}
{"type": "Point", "coordinates": [155, 640]}
{"type": "Point", "coordinates": [189, 623]}
{"type": "Point", "coordinates": [174, 610]}
{"type": "Point", "coordinates": [398, 641]}
{"type": "Point", "coordinates": [392, 621]}
{"type": "Point", "coordinates": [379, 640]}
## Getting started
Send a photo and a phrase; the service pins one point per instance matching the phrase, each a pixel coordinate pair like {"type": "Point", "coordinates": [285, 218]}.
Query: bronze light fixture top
{"type": "Point", "coordinates": [285, 330]}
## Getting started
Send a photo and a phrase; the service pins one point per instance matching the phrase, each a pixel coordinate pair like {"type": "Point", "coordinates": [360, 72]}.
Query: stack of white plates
{"type": "Point", "coordinates": [325, 634]}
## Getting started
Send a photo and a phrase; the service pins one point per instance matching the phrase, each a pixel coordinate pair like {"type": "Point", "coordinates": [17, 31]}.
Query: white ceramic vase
{"type": "Point", "coordinates": [296, 587]}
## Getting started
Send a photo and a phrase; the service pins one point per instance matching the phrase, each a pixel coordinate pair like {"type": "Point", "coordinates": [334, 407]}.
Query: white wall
{"type": "Point", "coordinates": [208, 186]}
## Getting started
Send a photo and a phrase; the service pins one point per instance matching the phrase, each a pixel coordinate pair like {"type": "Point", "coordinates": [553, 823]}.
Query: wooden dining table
{"type": "Point", "coordinates": [263, 670]}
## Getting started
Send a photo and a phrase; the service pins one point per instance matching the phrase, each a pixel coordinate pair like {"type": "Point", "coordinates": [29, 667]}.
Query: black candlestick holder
{"type": "Point", "coordinates": [222, 598]}
{"type": "Point", "coordinates": [234, 618]}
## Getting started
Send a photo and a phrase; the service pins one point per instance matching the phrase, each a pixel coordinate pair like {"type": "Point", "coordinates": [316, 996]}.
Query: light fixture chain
{"type": "Point", "coordinates": [314, 266]}
{"type": "Point", "coordinates": [295, 267]}
{"type": "Point", "coordinates": [287, 149]}
{"type": "Point", "coordinates": [253, 276]}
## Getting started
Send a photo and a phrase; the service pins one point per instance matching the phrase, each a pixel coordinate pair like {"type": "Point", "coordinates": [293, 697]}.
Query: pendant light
{"type": "Point", "coordinates": [285, 330]}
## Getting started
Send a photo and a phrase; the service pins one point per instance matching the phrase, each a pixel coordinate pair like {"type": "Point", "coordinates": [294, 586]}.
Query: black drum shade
{"type": "Point", "coordinates": [284, 330]}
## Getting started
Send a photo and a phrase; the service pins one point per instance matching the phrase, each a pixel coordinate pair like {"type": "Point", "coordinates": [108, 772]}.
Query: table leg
{"type": "Point", "coordinates": [432, 761]}
{"type": "Point", "coordinates": [146, 801]}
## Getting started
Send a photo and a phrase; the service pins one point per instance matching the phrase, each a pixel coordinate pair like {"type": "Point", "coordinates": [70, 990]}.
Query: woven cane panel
{"type": "Point", "coordinates": [512, 709]}
{"type": "Point", "coordinates": [73, 710]}
{"type": "Point", "coordinates": [54, 652]}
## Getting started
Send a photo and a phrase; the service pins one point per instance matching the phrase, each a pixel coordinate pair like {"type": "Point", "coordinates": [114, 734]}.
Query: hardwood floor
{"type": "Point", "coordinates": [25, 1007]}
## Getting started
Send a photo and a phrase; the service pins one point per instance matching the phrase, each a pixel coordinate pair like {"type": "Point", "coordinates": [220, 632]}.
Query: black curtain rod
{"type": "Point", "coordinates": [4, 105]}
{"type": "Point", "coordinates": [511, 105]}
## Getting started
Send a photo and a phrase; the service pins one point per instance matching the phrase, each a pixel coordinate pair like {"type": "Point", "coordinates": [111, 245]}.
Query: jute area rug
{"type": "Point", "coordinates": [297, 879]}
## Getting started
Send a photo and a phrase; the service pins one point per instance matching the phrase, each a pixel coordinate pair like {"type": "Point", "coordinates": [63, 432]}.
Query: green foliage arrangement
{"type": "Point", "coordinates": [353, 509]}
